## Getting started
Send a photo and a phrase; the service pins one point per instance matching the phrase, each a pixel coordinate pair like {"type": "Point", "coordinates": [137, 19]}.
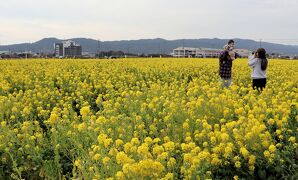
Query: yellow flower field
{"type": "Point", "coordinates": [146, 119]}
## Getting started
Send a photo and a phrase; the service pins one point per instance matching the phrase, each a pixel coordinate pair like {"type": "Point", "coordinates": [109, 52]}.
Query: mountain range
{"type": "Point", "coordinates": [149, 46]}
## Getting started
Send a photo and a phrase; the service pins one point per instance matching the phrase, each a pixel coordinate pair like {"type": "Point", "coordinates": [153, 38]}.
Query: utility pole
{"type": "Point", "coordinates": [127, 48]}
{"type": "Point", "coordinates": [163, 48]}
{"type": "Point", "coordinates": [260, 43]}
{"type": "Point", "coordinates": [98, 47]}
{"type": "Point", "coordinates": [159, 49]}
{"type": "Point", "coordinates": [26, 53]}
{"type": "Point", "coordinates": [183, 48]}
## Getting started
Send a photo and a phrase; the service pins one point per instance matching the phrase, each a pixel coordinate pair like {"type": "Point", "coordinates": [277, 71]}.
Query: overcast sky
{"type": "Point", "coordinates": [32, 20]}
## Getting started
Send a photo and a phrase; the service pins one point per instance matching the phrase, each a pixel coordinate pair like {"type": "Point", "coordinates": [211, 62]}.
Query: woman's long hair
{"type": "Point", "coordinates": [261, 54]}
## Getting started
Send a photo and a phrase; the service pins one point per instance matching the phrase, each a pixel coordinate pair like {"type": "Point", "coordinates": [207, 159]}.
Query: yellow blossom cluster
{"type": "Point", "coordinates": [146, 119]}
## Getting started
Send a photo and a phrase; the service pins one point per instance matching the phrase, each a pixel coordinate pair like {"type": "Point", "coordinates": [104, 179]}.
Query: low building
{"type": "Point", "coordinates": [196, 52]}
{"type": "Point", "coordinates": [88, 55]}
{"type": "Point", "coordinates": [204, 52]}
{"type": "Point", "coordinates": [244, 53]}
{"type": "Point", "coordinates": [67, 49]}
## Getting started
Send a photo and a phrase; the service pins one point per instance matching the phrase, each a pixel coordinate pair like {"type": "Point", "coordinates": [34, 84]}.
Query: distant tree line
{"type": "Point", "coordinates": [105, 54]}
{"type": "Point", "coordinates": [25, 55]}
{"type": "Point", "coordinates": [121, 54]}
{"type": "Point", "coordinates": [112, 55]}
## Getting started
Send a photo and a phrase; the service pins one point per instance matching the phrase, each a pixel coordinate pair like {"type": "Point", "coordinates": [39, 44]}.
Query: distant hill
{"type": "Point", "coordinates": [148, 46]}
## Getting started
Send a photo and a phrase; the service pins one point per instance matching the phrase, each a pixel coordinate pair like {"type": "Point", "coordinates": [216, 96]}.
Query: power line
{"type": "Point", "coordinates": [294, 40]}
{"type": "Point", "coordinates": [281, 41]}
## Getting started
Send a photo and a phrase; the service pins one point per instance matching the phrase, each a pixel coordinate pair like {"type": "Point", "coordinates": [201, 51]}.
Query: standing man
{"type": "Point", "coordinates": [226, 58]}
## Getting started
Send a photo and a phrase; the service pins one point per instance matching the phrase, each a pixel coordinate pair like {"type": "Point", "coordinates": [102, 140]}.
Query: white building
{"type": "Point", "coordinates": [195, 52]}
{"type": "Point", "coordinates": [243, 52]}
{"type": "Point", "coordinates": [204, 52]}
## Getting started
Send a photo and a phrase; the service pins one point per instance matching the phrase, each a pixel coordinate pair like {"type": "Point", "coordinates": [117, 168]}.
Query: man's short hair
{"type": "Point", "coordinates": [231, 41]}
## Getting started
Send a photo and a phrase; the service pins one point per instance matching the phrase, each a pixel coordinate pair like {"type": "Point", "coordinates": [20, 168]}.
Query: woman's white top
{"type": "Point", "coordinates": [257, 72]}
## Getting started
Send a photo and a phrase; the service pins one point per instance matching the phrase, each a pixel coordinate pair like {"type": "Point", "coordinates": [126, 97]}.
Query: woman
{"type": "Point", "coordinates": [259, 63]}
